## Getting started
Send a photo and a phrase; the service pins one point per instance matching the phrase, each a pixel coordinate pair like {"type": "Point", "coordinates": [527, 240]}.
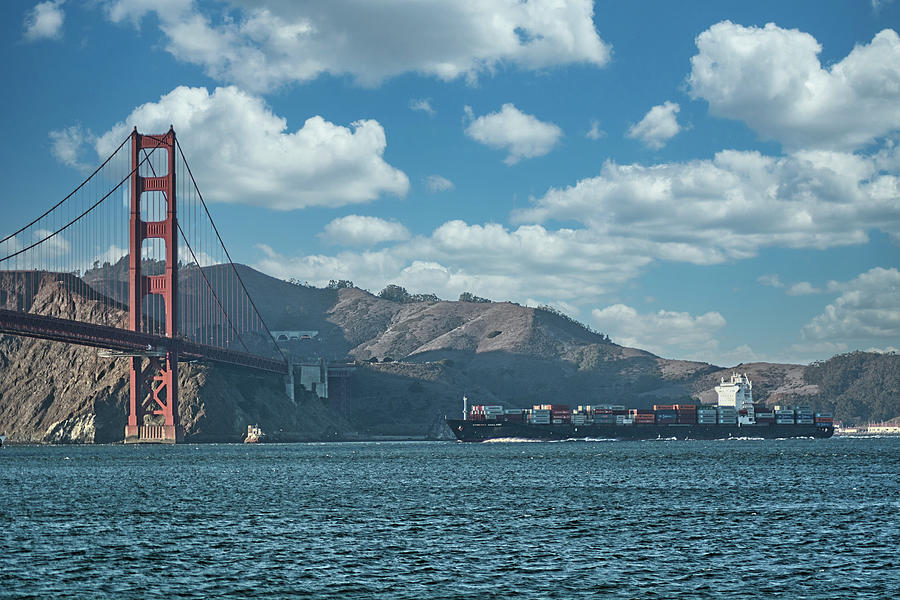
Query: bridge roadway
{"type": "Point", "coordinates": [124, 340]}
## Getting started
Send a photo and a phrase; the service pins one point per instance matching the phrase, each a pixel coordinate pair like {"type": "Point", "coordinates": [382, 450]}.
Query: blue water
{"type": "Point", "coordinates": [656, 519]}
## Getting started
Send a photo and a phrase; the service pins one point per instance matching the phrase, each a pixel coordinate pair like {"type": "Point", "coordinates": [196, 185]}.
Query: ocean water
{"type": "Point", "coordinates": [434, 520]}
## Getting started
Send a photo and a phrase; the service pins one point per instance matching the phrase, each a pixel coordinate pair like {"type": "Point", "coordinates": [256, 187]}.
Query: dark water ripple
{"type": "Point", "coordinates": [798, 519]}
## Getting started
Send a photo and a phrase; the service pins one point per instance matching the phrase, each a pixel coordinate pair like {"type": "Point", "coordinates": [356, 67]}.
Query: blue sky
{"type": "Point", "coordinates": [718, 184]}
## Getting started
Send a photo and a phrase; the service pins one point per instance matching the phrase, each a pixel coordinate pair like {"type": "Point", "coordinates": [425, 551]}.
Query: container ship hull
{"type": "Point", "coordinates": [480, 431]}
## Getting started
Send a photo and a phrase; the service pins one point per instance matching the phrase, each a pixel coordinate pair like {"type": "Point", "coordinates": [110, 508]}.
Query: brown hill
{"type": "Point", "coordinates": [414, 361]}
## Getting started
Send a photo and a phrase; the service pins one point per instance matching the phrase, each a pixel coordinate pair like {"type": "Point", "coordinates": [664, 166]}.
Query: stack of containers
{"type": "Point", "coordinates": [560, 413]}
{"type": "Point", "coordinates": [804, 415]}
{"type": "Point", "coordinates": [578, 418]}
{"type": "Point", "coordinates": [641, 416]}
{"type": "Point", "coordinates": [727, 415]}
{"type": "Point", "coordinates": [493, 412]}
{"type": "Point", "coordinates": [764, 414]}
{"type": "Point", "coordinates": [686, 414]}
{"type": "Point", "coordinates": [784, 415]}
{"type": "Point", "coordinates": [706, 415]}
{"type": "Point", "coordinates": [604, 416]}
{"type": "Point", "coordinates": [514, 415]}
{"type": "Point", "coordinates": [665, 413]}
{"type": "Point", "coordinates": [824, 418]}
{"type": "Point", "coordinates": [540, 416]}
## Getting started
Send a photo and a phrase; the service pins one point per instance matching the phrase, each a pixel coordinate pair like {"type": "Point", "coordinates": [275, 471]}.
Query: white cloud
{"type": "Point", "coordinates": [665, 333]}
{"type": "Point", "coordinates": [522, 135]}
{"type": "Point", "coordinates": [709, 211]}
{"type": "Point", "coordinates": [868, 307]}
{"type": "Point", "coordinates": [886, 350]}
{"type": "Point", "coordinates": [69, 145]}
{"type": "Point", "coordinates": [803, 288]}
{"type": "Point", "coordinates": [264, 45]}
{"type": "Point", "coordinates": [356, 230]}
{"type": "Point", "coordinates": [56, 244]}
{"type": "Point", "coordinates": [436, 183]}
{"type": "Point", "coordinates": [595, 133]}
{"type": "Point", "coordinates": [565, 265]}
{"type": "Point", "coordinates": [658, 126]}
{"type": "Point", "coordinates": [9, 244]}
{"type": "Point", "coordinates": [241, 152]}
{"type": "Point", "coordinates": [771, 280]}
{"type": "Point", "coordinates": [44, 21]}
{"type": "Point", "coordinates": [135, 10]}
{"type": "Point", "coordinates": [422, 105]}
{"type": "Point", "coordinates": [772, 79]}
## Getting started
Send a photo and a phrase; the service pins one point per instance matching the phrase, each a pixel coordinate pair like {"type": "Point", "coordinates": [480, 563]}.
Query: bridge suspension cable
{"type": "Point", "coordinates": [80, 246]}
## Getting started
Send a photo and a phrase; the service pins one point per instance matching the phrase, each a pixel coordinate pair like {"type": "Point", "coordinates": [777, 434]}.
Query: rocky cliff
{"type": "Point", "coordinates": [57, 393]}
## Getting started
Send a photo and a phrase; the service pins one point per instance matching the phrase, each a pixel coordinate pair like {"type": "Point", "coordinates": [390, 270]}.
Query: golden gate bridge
{"type": "Point", "coordinates": [147, 275]}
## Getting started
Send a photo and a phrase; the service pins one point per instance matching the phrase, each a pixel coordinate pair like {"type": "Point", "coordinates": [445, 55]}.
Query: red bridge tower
{"type": "Point", "coordinates": [154, 390]}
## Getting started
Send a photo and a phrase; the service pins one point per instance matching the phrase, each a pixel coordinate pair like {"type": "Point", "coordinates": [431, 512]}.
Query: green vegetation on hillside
{"type": "Point", "coordinates": [858, 387]}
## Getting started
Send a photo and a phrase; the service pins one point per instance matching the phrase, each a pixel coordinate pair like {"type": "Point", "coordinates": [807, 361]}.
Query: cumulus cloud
{"type": "Point", "coordinates": [595, 133]}
{"type": "Point", "coordinates": [803, 288]}
{"type": "Point", "coordinates": [658, 126]}
{"type": "Point", "coordinates": [709, 211]}
{"type": "Point", "coordinates": [54, 243]}
{"type": "Point", "coordinates": [9, 244]}
{"type": "Point", "coordinates": [665, 333]}
{"type": "Point", "coordinates": [885, 350]}
{"type": "Point", "coordinates": [566, 265]}
{"type": "Point", "coordinates": [522, 135]}
{"type": "Point", "coordinates": [241, 152]}
{"type": "Point", "coordinates": [422, 105]}
{"type": "Point", "coordinates": [44, 21]}
{"type": "Point", "coordinates": [771, 280]}
{"type": "Point", "coordinates": [868, 307]}
{"type": "Point", "coordinates": [68, 145]}
{"type": "Point", "coordinates": [263, 45]}
{"type": "Point", "coordinates": [701, 212]}
{"type": "Point", "coordinates": [771, 78]}
{"type": "Point", "coordinates": [357, 230]}
{"type": "Point", "coordinates": [436, 183]}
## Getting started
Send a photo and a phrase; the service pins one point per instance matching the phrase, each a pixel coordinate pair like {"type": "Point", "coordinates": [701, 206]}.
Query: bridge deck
{"type": "Point", "coordinates": [123, 340]}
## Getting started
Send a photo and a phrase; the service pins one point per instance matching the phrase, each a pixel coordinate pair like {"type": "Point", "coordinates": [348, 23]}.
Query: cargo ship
{"type": "Point", "coordinates": [734, 416]}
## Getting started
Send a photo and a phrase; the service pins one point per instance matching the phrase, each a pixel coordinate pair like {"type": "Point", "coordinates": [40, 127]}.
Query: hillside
{"type": "Point", "coordinates": [57, 393]}
{"type": "Point", "coordinates": [859, 387]}
{"type": "Point", "coordinates": [414, 361]}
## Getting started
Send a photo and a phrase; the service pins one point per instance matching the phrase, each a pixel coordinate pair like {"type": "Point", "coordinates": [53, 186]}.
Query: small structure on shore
{"type": "Point", "coordinates": [254, 434]}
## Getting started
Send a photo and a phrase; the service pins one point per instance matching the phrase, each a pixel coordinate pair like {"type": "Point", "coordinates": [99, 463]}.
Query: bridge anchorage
{"type": "Point", "coordinates": [148, 279]}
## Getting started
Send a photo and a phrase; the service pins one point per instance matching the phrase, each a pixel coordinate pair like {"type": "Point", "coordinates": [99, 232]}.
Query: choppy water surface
{"type": "Point", "coordinates": [737, 519]}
